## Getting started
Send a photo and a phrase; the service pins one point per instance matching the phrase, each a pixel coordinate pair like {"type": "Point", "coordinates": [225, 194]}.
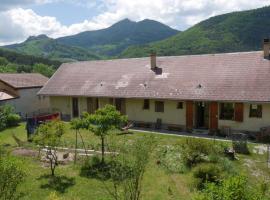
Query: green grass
{"type": "Point", "coordinates": [158, 184]}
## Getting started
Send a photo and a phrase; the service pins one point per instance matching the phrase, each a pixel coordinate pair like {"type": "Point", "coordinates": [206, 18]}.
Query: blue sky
{"type": "Point", "coordinates": [56, 18]}
{"type": "Point", "coordinates": [67, 13]}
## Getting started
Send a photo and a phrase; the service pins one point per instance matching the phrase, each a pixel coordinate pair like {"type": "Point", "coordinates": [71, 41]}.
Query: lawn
{"type": "Point", "coordinates": [158, 183]}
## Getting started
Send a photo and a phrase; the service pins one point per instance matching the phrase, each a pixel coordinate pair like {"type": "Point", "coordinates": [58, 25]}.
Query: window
{"type": "Point", "coordinates": [146, 104]}
{"type": "Point", "coordinates": [255, 110]}
{"type": "Point", "coordinates": [159, 106]}
{"type": "Point", "coordinates": [179, 105]}
{"type": "Point", "coordinates": [227, 111]}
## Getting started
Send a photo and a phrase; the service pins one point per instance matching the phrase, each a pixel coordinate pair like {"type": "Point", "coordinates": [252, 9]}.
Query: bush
{"type": "Point", "coordinates": [207, 173]}
{"type": "Point", "coordinates": [235, 188]}
{"type": "Point", "coordinates": [11, 175]}
{"type": "Point", "coordinates": [170, 158]}
{"type": "Point", "coordinates": [195, 151]}
{"type": "Point", "coordinates": [13, 120]}
{"type": "Point", "coordinates": [8, 118]}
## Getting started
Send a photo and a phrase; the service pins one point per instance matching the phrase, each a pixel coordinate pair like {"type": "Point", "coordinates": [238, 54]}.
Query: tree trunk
{"type": "Point", "coordinates": [76, 146]}
{"type": "Point", "coordinates": [102, 149]}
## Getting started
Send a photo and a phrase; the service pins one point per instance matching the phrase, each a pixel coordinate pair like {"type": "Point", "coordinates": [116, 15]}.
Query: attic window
{"type": "Point", "coordinates": [255, 111]}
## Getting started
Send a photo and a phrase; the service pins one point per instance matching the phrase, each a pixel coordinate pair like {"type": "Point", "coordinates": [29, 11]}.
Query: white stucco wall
{"type": "Point", "coordinates": [249, 124]}
{"type": "Point", "coordinates": [171, 115]}
{"type": "Point", "coordinates": [29, 102]}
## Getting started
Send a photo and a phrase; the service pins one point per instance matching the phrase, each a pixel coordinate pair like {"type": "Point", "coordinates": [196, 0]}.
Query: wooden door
{"type": "Point", "coordinates": [189, 115]}
{"type": "Point", "coordinates": [213, 111]}
{"type": "Point", "coordinates": [239, 112]}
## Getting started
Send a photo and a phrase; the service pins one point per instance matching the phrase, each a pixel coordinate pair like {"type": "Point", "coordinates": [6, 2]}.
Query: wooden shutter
{"type": "Point", "coordinates": [213, 116]}
{"type": "Point", "coordinates": [189, 114]}
{"type": "Point", "coordinates": [239, 112]}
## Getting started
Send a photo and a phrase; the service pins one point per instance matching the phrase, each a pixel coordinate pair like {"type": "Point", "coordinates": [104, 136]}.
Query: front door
{"type": "Point", "coordinates": [202, 115]}
{"type": "Point", "coordinates": [75, 107]}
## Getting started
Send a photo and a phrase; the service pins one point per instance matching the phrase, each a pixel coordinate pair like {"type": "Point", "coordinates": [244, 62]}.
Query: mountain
{"type": "Point", "coordinates": [237, 31]}
{"type": "Point", "coordinates": [113, 40]}
{"type": "Point", "coordinates": [93, 45]}
{"type": "Point", "coordinates": [49, 48]}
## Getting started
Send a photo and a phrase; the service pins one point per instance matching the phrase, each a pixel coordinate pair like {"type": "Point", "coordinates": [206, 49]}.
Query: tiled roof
{"type": "Point", "coordinates": [24, 80]}
{"type": "Point", "coordinates": [230, 76]}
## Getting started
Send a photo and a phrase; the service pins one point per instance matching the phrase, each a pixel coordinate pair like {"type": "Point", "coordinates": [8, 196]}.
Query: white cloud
{"type": "Point", "coordinates": [19, 23]}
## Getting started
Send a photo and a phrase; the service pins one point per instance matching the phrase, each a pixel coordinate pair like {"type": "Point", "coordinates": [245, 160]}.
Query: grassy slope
{"type": "Point", "coordinates": [238, 31]}
{"type": "Point", "coordinates": [156, 183]}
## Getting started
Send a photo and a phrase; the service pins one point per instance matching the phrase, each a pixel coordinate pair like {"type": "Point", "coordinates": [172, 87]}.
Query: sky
{"type": "Point", "coordinates": [20, 19]}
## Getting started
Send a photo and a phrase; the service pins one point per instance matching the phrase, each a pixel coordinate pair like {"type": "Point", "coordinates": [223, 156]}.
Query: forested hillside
{"type": "Point", "coordinates": [237, 31]}
{"type": "Point", "coordinates": [13, 62]}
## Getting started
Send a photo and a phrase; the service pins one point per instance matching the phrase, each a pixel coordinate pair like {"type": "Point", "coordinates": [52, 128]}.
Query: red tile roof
{"type": "Point", "coordinates": [220, 77]}
{"type": "Point", "coordinates": [23, 80]}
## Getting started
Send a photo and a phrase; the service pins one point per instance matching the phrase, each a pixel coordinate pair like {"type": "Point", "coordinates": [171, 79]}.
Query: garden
{"type": "Point", "coordinates": [93, 158]}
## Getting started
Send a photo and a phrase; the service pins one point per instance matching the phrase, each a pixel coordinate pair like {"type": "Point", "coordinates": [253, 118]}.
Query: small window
{"type": "Point", "coordinates": [159, 106]}
{"type": "Point", "coordinates": [255, 110]}
{"type": "Point", "coordinates": [227, 111]}
{"type": "Point", "coordinates": [180, 105]}
{"type": "Point", "coordinates": [39, 97]}
{"type": "Point", "coordinates": [146, 104]}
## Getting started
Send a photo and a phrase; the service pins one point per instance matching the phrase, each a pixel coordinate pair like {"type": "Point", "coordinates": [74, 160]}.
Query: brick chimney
{"type": "Point", "coordinates": [153, 58]}
{"type": "Point", "coordinates": [266, 48]}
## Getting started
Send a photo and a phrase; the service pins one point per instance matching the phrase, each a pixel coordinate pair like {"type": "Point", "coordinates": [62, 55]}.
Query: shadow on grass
{"type": "Point", "coordinates": [94, 168]}
{"type": "Point", "coordinates": [113, 169]}
{"type": "Point", "coordinates": [125, 133]}
{"type": "Point", "coordinates": [58, 183]}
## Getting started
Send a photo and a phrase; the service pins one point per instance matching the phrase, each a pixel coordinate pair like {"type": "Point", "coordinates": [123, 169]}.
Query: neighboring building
{"type": "Point", "coordinates": [215, 91]}
{"type": "Point", "coordinates": [20, 91]}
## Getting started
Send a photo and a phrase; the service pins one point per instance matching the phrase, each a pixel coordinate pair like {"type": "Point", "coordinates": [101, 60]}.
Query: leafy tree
{"type": "Point", "coordinates": [11, 176]}
{"type": "Point", "coordinates": [127, 170]}
{"type": "Point", "coordinates": [8, 118]}
{"type": "Point", "coordinates": [49, 136]}
{"type": "Point", "coordinates": [46, 70]}
{"type": "Point", "coordinates": [102, 122]}
{"type": "Point", "coordinates": [76, 124]}
{"type": "Point", "coordinates": [3, 61]}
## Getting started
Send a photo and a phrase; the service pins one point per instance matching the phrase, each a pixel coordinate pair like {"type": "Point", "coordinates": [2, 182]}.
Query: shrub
{"type": "Point", "coordinates": [197, 150]}
{"type": "Point", "coordinates": [8, 117]}
{"type": "Point", "coordinates": [207, 173]}
{"type": "Point", "coordinates": [13, 120]}
{"type": "Point", "coordinates": [235, 188]}
{"type": "Point", "coordinates": [170, 158]}
{"type": "Point", "coordinates": [11, 175]}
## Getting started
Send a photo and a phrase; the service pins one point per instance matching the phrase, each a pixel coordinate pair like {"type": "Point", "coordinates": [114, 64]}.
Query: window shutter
{"type": "Point", "coordinates": [239, 112]}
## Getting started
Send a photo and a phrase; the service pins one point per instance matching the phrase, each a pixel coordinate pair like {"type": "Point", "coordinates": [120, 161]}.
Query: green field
{"type": "Point", "coordinates": [158, 183]}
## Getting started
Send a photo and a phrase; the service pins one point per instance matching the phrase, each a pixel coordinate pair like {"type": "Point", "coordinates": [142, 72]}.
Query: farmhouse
{"type": "Point", "coordinates": [177, 92]}
{"type": "Point", "coordinates": [20, 91]}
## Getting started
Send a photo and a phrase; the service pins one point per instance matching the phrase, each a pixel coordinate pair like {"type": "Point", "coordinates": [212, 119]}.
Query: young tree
{"type": "Point", "coordinates": [11, 175]}
{"type": "Point", "coordinates": [49, 136]}
{"type": "Point", "coordinates": [102, 122]}
{"type": "Point", "coordinates": [76, 124]}
{"type": "Point", "coordinates": [127, 170]}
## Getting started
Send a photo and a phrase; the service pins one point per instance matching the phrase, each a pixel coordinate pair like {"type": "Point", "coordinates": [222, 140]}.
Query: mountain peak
{"type": "Point", "coordinates": [38, 37]}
